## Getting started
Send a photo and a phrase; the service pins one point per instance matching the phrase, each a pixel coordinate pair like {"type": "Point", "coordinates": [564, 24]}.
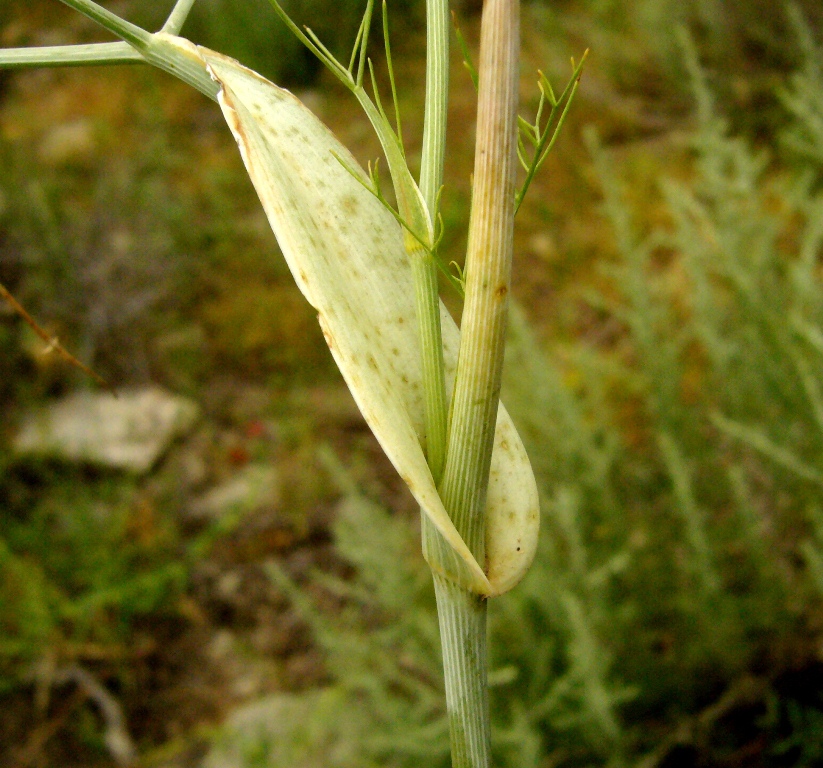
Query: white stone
{"type": "Point", "coordinates": [129, 431]}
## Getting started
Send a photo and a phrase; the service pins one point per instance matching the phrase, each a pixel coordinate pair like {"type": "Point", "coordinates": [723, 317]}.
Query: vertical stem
{"type": "Point", "coordinates": [462, 618]}
{"type": "Point", "coordinates": [431, 352]}
{"type": "Point", "coordinates": [488, 276]}
{"type": "Point", "coordinates": [431, 179]}
{"type": "Point", "coordinates": [477, 386]}
{"type": "Point", "coordinates": [437, 94]}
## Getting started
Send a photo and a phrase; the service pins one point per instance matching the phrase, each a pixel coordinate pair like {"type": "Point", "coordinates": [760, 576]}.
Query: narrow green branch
{"type": "Point", "coordinates": [177, 17]}
{"type": "Point", "coordinates": [387, 43]}
{"type": "Point", "coordinates": [334, 66]}
{"type": "Point", "coordinates": [121, 28]}
{"type": "Point", "coordinates": [364, 42]}
{"type": "Point", "coordinates": [431, 182]}
{"type": "Point", "coordinates": [69, 56]}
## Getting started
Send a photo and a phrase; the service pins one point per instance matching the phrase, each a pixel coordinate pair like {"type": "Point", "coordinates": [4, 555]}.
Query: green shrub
{"type": "Point", "coordinates": [804, 96]}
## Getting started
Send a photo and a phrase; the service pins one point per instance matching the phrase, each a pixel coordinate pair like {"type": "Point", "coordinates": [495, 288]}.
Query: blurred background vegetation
{"type": "Point", "coordinates": [665, 370]}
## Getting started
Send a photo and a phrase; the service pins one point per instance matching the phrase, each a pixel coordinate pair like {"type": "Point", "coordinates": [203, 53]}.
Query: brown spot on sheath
{"type": "Point", "coordinates": [500, 292]}
{"type": "Point", "coordinates": [349, 204]}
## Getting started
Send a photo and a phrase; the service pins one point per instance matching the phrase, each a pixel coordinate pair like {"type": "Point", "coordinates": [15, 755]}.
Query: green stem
{"type": "Point", "coordinates": [462, 617]}
{"type": "Point", "coordinates": [139, 46]}
{"type": "Point", "coordinates": [428, 300]}
{"type": "Point", "coordinates": [477, 384]}
{"type": "Point", "coordinates": [157, 50]}
{"type": "Point", "coordinates": [431, 353]}
{"type": "Point", "coordinates": [69, 56]}
{"type": "Point", "coordinates": [178, 17]}
{"type": "Point", "coordinates": [431, 180]}
{"type": "Point", "coordinates": [125, 30]}
{"type": "Point", "coordinates": [436, 108]}
{"type": "Point", "coordinates": [460, 614]}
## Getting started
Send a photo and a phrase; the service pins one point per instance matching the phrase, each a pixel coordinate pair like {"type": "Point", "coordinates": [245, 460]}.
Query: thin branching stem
{"type": "Point", "coordinates": [398, 126]}
{"type": "Point", "coordinates": [334, 66]}
{"type": "Point", "coordinates": [123, 29]}
{"type": "Point", "coordinates": [159, 49]}
{"type": "Point", "coordinates": [177, 17]}
{"type": "Point", "coordinates": [69, 56]}
{"type": "Point", "coordinates": [464, 49]}
{"type": "Point", "coordinates": [162, 50]}
{"type": "Point", "coordinates": [52, 342]}
{"type": "Point", "coordinates": [431, 181]}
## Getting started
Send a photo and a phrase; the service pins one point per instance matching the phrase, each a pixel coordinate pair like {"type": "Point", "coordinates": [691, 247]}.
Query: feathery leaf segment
{"type": "Point", "coordinates": [464, 49]}
{"type": "Point", "coordinates": [542, 138]}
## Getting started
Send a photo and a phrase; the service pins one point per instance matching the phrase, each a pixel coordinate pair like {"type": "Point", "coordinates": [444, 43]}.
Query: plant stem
{"type": "Point", "coordinates": [461, 615]}
{"type": "Point", "coordinates": [69, 56]}
{"type": "Point", "coordinates": [462, 618]}
{"type": "Point", "coordinates": [431, 180]}
{"type": "Point", "coordinates": [436, 107]}
{"type": "Point", "coordinates": [125, 30]}
{"type": "Point", "coordinates": [488, 276]}
{"type": "Point", "coordinates": [431, 353]}
{"type": "Point", "coordinates": [178, 17]}
{"type": "Point", "coordinates": [157, 49]}
{"type": "Point", "coordinates": [477, 385]}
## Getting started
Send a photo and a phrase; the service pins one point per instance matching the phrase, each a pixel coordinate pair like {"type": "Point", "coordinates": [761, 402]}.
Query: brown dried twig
{"type": "Point", "coordinates": [52, 342]}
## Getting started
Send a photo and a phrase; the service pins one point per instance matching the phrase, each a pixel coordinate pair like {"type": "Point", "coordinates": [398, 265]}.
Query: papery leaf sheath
{"type": "Point", "coordinates": [347, 256]}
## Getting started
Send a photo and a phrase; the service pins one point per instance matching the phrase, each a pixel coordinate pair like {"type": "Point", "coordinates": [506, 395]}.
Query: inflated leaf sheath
{"type": "Point", "coordinates": [346, 253]}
